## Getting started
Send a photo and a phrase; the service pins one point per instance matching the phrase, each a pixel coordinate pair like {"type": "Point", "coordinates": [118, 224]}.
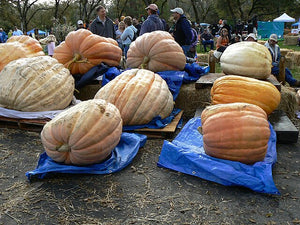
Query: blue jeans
{"type": "Point", "coordinates": [209, 42]}
{"type": "Point", "coordinates": [288, 75]}
{"type": "Point", "coordinates": [125, 49]}
{"type": "Point", "coordinates": [185, 49]}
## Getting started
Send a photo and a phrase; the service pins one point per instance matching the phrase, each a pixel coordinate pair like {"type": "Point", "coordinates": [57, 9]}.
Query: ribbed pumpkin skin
{"type": "Point", "coordinates": [235, 131]}
{"type": "Point", "coordinates": [19, 47]}
{"type": "Point", "coordinates": [156, 51]}
{"type": "Point", "coordinates": [35, 84]}
{"type": "Point", "coordinates": [84, 134]}
{"type": "Point", "coordinates": [248, 59]}
{"type": "Point", "coordinates": [140, 95]}
{"type": "Point", "coordinates": [83, 50]}
{"type": "Point", "coordinates": [230, 89]}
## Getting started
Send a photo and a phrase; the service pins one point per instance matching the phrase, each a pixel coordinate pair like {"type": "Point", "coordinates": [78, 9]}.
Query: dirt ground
{"type": "Point", "coordinates": [142, 193]}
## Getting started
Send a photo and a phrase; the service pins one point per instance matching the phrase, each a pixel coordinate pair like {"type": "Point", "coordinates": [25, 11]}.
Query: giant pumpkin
{"type": "Point", "coordinates": [140, 95]}
{"type": "Point", "coordinates": [235, 131]}
{"type": "Point", "coordinates": [84, 134]}
{"type": "Point", "coordinates": [230, 89]}
{"type": "Point", "coordinates": [248, 59]}
{"type": "Point", "coordinates": [35, 84]}
{"type": "Point", "coordinates": [156, 51]}
{"type": "Point", "coordinates": [82, 50]}
{"type": "Point", "coordinates": [19, 47]}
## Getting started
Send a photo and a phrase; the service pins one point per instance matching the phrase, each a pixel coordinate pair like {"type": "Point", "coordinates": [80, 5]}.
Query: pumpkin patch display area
{"type": "Point", "coordinates": [35, 84]}
{"type": "Point", "coordinates": [19, 47]}
{"type": "Point", "coordinates": [156, 51]}
{"type": "Point", "coordinates": [140, 95]}
{"type": "Point", "coordinates": [83, 50]}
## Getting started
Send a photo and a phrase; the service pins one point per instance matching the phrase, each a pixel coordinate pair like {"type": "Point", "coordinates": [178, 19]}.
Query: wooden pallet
{"type": "Point", "coordinates": [209, 79]}
{"type": "Point", "coordinates": [166, 132]}
{"type": "Point", "coordinates": [35, 125]}
{"type": "Point", "coordinates": [286, 131]}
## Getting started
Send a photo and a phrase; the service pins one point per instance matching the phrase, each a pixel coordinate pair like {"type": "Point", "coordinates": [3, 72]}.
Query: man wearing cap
{"type": "Point", "coordinates": [79, 24]}
{"type": "Point", "coordinates": [103, 25]}
{"type": "Point", "coordinates": [251, 37]}
{"type": "Point", "coordinates": [183, 32]}
{"type": "Point", "coordinates": [274, 49]}
{"type": "Point", "coordinates": [207, 39]}
{"type": "Point", "coordinates": [153, 22]}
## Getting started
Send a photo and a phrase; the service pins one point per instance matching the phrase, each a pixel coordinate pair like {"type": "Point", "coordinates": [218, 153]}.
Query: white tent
{"type": "Point", "coordinates": [284, 18]}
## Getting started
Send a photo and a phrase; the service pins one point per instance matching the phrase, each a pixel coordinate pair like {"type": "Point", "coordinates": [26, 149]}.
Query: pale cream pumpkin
{"type": "Point", "coordinates": [36, 84]}
{"type": "Point", "coordinates": [140, 95]}
{"type": "Point", "coordinates": [19, 47]}
{"type": "Point", "coordinates": [248, 59]}
{"type": "Point", "coordinates": [156, 51]}
{"type": "Point", "coordinates": [84, 134]}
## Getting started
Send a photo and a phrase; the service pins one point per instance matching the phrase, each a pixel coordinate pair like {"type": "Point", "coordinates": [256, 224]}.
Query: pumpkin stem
{"type": "Point", "coordinates": [64, 148]}
{"type": "Point", "coordinates": [144, 65]}
{"type": "Point", "coordinates": [77, 59]}
{"type": "Point", "coordinates": [200, 130]}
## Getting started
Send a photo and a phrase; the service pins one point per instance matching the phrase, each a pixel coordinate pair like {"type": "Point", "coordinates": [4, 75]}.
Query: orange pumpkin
{"type": "Point", "coordinates": [235, 131]}
{"type": "Point", "coordinates": [19, 47]}
{"type": "Point", "coordinates": [230, 89]}
{"type": "Point", "coordinates": [156, 51]}
{"type": "Point", "coordinates": [82, 50]}
{"type": "Point", "coordinates": [140, 95]}
{"type": "Point", "coordinates": [84, 134]}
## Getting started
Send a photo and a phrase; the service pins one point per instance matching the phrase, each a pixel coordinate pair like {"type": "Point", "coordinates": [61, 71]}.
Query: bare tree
{"type": "Point", "coordinates": [26, 10]}
{"type": "Point", "coordinates": [87, 8]}
{"type": "Point", "coordinates": [60, 7]}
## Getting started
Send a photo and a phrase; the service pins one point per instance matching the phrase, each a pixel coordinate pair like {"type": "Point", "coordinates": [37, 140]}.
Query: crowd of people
{"type": "Point", "coordinates": [187, 34]}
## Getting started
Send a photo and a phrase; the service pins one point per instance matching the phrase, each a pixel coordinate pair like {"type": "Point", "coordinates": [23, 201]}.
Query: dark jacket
{"type": "Point", "coordinates": [107, 30]}
{"type": "Point", "coordinates": [152, 23]}
{"type": "Point", "coordinates": [183, 32]}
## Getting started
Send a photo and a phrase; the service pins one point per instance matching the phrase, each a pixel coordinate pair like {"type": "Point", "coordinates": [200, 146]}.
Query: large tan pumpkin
{"type": "Point", "coordinates": [84, 134]}
{"type": "Point", "coordinates": [235, 131]}
{"type": "Point", "coordinates": [82, 50]}
{"type": "Point", "coordinates": [19, 47]}
{"type": "Point", "coordinates": [231, 88]}
{"type": "Point", "coordinates": [140, 95]}
{"type": "Point", "coordinates": [35, 84]}
{"type": "Point", "coordinates": [248, 59]}
{"type": "Point", "coordinates": [156, 51]}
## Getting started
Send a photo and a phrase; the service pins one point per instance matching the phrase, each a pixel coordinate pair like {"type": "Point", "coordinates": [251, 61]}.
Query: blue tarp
{"type": "Point", "coordinates": [295, 24]}
{"type": "Point", "coordinates": [121, 156]}
{"type": "Point", "coordinates": [186, 154]}
{"type": "Point", "coordinates": [40, 32]}
{"type": "Point", "coordinates": [265, 29]}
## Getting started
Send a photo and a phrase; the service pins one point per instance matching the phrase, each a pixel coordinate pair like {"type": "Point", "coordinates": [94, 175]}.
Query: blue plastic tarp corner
{"type": "Point", "coordinates": [186, 154]}
{"type": "Point", "coordinates": [121, 156]}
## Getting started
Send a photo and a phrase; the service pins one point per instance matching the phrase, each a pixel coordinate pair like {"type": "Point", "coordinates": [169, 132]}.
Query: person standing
{"type": "Point", "coordinates": [274, 49]}
{"type": "Point", "coordinates": [80, 25]}
{"type": "Point", "coordinates": [153, 22]}
{"type": "Point", "coordinates": [183, 32]}
{"type": "Point", "coordinates": [17, 32]}
{"type": "Point", "coordinates": [121, 28]}
{"type": "Point", "coordinates": [128, 34]}
{"type": "Point", "coordinates": [3, 36]}
{"type": "Point", "coordinates": [103, 25]}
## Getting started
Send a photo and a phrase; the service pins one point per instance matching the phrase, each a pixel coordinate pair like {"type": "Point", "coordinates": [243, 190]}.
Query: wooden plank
{"type": "Point", "coordinates": [275, 82]}
{"type": "Point", "coordinates": [285, 130]}
{"type": "Point", "coordinates": [207, 80]}
{"type": "Point", "coordinates": [23, 124]}
{"type": "Point", "coordinates": [167, 129]}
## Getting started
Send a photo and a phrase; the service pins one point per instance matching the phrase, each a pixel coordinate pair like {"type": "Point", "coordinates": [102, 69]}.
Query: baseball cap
{"type": "Point", "coordinates": [251, 35]}
{"type": "Point", "coordinates": [273, 37]}
{"type": "Point", "coordinates": [80, 22]}
{"type": "Point", "coordinates": [177, 10]}
{"type": "Point", "coordinates": [152, 6]}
